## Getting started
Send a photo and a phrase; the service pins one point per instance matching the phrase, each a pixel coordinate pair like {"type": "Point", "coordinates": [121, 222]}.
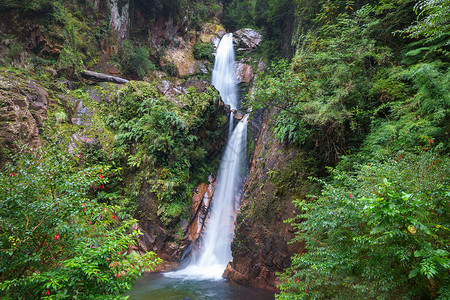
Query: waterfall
{"type": "Point", "coordinates": [223, 75]}
{"type": "Point", "coordinates": [216, 247]}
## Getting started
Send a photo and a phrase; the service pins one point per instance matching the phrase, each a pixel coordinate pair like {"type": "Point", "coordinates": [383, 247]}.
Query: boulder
{"type": "Point", "coordinates": [237, 114]}
{"type": "Point", "coordinates": [247, 39]}
{"type": "Point", "coordinates": [211, 32]}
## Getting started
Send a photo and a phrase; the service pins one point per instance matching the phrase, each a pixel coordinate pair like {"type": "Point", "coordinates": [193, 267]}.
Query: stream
{"type": "Point", "coordinates": [159, 287]}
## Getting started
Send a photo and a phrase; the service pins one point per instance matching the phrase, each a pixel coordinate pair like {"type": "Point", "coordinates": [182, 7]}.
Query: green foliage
{"type": "Point", "coordinates": [200, 12]}
{"type": "Point", "coordinates": [324, 93]}
{"type": "Point", "coordinates": [158, 140]}
{"type": "Point", "coordinates": [433, 19]}
{"type": "Point", "coordinates": [134, 60]}
{"type": "Point", "coordinates": [79, 46]}
{"type": "Point", "coordinates": [204, 51]}
{"type": "Point", "coordinates": [170, 69]}
{"type": "Point", "coordinates": [56, 240]}
{"type": "Point", "coordinates": [29, 6]}
{"type": "Point", "coordinates": [414, 121]}
{"type": "Point", "coordinates": [238, 14]}
{"type": "Point", "coordinates": [380, 229]}
{"type": "Point", "coordinates": [272, 17]}
{"type": "Point", "coordinates": [379, 232]}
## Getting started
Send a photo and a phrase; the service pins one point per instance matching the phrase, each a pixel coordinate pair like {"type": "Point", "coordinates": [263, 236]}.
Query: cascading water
{"type": "Point", "coordinates": [223, 75]}
{"type": "Point", "coordinates": [216, 250]}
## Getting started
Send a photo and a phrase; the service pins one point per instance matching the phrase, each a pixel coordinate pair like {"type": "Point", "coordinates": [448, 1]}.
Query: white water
{"type": "Point", "coordinates": [216, 247]}
{"type": "Point", "coordinates": [223, 75]}
{"type": "Point", "coordinates": [216, 250]}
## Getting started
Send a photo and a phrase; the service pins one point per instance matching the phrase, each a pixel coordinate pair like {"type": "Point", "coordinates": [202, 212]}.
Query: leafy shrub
{"type": "Point", "coordinates": [380, 232]}
{"type": "Point", "coordinates": [204, 51]}
{"type": "Point", "coordinates": [134, 60]}
{"type": "Point", "coordinates": [158, 140]}
{"type": "Point", "coordinates": [57, 242]}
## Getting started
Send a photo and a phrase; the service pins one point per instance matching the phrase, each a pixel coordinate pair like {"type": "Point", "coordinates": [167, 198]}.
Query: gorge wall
{"type": "Point", "coordinates": [78, 111]}
{"type": "Point", "coordinates": [261, 244]}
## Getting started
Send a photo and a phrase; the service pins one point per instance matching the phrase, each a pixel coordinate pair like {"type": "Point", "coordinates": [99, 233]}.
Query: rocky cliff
{"type": "Point", "coordinates": [261, 244]}
{"type": "Point", "coordinates": [23, 111]}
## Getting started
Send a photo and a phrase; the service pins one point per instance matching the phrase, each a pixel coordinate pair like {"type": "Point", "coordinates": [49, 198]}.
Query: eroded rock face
{"type": "Point", "coordinates": [23, 109]}
{"type": "Point", "coordinates": [247, 39]}
{"type": "Point", "coordinates": [260, 247]}
{"type": "Point", "coordinates": [201, 200]}
{"type": "Point", "coordinates": [120, 18]}
{"type": "Point", "coordinates": [244, 72]}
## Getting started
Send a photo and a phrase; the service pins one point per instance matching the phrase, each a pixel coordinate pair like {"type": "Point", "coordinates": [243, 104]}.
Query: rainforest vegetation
{"type": "Point", "coordinates": [362, 87]}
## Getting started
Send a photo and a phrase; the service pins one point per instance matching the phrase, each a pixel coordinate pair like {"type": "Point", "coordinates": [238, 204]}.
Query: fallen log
{"type": "Point", "coordinates": [100, 77]}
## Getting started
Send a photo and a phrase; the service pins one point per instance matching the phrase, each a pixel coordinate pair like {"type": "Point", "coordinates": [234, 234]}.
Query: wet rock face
{"type": "Point", "coordinates": [247, 39]}
{"type": "Point", "coordinates": [23, 109]}
{"type": "Point", "coordinates": [260, 247]}
{"type": "Point", "coordinates": [156, 238]}
{"type": "Point", "coordinates": [244, 72]}
{"type": "Point", "coordinates": [201, 200]}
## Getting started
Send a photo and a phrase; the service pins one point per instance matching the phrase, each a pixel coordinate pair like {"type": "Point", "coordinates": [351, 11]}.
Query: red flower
{"type": "Point", "coordinates": [101, 176]}
{"type": "Point", "coordinates": [103, 186]}
{"type": "Point", "coordinates": [114, 216]}
{"type": "Point", "coordinates": [11, 174]}
{"type": "Point", "coordinates": [350, 195]}
{"type": "Point", "coordinates": [47, 292]}
{"type": "Point", "coordinates": [56, 237]}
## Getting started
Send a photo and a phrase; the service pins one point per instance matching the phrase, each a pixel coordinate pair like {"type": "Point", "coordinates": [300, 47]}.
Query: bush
{"type": "Point", "coordinates": [134, 60]}
{"type": "Point", "coordinates": [56, 241]}
{"type": "Point", "coordinates": [380, 232]}
{"type": "Point", "coordinates": [204, 51]}
{"type": "Point", "coordinates": [158, 141]}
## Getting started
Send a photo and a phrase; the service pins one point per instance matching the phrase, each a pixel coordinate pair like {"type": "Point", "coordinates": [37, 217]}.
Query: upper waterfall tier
{"type": "Point", "coordinates": [223, 75]}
